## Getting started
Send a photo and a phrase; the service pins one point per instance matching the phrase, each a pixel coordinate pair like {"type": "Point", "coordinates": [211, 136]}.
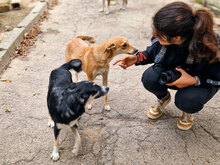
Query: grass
{"type": "Point", "coordinates": [199, 1]}
{"type": "Point", "coordinates": [6, 3]}
{"type": "Point", "coordinates": [2, 15]}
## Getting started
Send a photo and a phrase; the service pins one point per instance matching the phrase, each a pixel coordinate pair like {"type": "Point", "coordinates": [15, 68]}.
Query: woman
{"type": "Point", "coordinates": [184, 38]}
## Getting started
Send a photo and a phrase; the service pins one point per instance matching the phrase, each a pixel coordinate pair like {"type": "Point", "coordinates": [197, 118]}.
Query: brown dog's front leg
{"type": "Point", "coordinates": [77, 140]}
{"type": "Point", "coordinates": [105, 83]}
{"type": "Point", "coordinates": [89, 104]}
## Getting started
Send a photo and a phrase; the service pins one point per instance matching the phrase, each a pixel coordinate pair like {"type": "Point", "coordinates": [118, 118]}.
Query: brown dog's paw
{"type": "Point", "coordinates": [107, 108]}
{"type": "Point", "coordinates": [75, 151]}
{"type": "Point", "coordinates": [89, 106]}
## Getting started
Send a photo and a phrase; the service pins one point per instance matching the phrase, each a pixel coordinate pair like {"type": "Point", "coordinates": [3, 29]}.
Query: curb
{"type": "Point", "coordinates": [14, 37]}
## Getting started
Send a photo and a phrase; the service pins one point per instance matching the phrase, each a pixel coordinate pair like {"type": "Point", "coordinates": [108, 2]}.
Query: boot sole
{"type": "Point", "coordinates": [183, 127]}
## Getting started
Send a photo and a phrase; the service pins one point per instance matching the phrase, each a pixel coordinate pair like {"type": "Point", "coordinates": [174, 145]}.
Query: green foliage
{"type": "Point", "coordinates": [2, 15]}
{"type": "Point", "coordinates": [6, 3]}
{"type": "Point", "coordinates": [199, 1]}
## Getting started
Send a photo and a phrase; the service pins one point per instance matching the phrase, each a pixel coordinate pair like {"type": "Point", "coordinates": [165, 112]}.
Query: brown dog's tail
{"type": "Point", "coordinates": [87, 38]}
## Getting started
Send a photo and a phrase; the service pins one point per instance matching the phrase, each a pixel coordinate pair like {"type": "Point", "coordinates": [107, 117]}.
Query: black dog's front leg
{"type": "Point", "coordinates": [77, 140]}
{"type": "Point", "coordinates": [55, 154]}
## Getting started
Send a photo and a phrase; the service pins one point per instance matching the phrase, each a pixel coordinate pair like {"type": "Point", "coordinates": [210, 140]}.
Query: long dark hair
{"type": "Point", "coordinates": [196, 27]}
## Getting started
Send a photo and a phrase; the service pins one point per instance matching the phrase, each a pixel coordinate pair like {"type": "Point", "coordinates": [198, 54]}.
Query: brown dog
{"type": "Point", "coordinates": [95, 59]}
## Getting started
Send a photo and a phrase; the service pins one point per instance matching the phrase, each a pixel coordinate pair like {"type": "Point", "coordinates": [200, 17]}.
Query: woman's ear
{"type": "Point", "coordinates": [177, 40]}
{"type": "Point", "coordinates": [110, 47]}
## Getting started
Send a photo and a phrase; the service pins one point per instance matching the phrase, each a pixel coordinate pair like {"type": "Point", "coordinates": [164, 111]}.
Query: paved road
{"type": "Point", "coordinates": [123, 135]}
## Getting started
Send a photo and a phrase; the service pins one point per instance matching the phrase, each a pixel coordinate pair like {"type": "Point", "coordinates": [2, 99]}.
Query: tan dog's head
{"type": "Point", "coordinates": [119, 45]}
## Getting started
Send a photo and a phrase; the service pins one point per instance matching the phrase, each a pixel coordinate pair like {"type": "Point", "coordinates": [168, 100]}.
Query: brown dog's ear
{"type": "Point", "coordinates": [110, 47]}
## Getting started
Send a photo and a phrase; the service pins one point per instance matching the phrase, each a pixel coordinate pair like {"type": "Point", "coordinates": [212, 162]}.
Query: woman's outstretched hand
{"type": "Point", "coordinates": [126, 61]}
{"type": "Point", "coordinates": [184, 81]}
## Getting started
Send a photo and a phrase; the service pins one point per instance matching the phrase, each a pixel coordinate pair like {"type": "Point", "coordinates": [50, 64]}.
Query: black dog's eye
{"type": "Point", "coordinates": [124, 45]}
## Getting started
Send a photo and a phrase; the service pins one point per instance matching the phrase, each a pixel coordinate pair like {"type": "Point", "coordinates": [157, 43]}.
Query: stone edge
{"type": "Point", "coordinates": [14, 37]}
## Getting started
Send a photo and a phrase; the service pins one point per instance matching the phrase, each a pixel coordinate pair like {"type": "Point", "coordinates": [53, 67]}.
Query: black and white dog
{"type": "Point", "coordinates": [66, 101]}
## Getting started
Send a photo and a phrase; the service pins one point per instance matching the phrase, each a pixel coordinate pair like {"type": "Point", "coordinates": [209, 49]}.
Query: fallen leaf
{"type": "Point", "coordinates": [61, 149]}
{"type": "Point", "coordinates": [7, 110]}
{"type": "Point", "coordinates": [36, 94]}
{"type": "Point", "coordinates": [8, 81]}
{"type": "Point", "coordinates": [181, 146]}
{"type": "Point", "coordinates": [152, 123]}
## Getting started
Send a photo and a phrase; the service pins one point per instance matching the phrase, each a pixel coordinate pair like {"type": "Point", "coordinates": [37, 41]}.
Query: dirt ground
{"type": "Point", "coordinates": [9, 20]}
{"type": "Point", "coordinates": [121, 136]}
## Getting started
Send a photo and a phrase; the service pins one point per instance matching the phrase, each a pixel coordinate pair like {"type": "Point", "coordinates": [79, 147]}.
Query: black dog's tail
{"type": "Point", "coordinates": [74, 64]}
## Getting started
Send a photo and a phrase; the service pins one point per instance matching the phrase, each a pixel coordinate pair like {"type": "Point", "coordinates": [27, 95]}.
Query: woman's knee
{"type": "Point", "coordinates": [187, 102]}
{"type": "Point", "coordinates": [150, 78]}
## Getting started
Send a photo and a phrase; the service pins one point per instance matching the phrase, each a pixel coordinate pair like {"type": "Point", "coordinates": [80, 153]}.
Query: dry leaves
{"type": "Point", "coordinates": [29, 38]}
{"type": "Point", "coordinates": [54, 3]}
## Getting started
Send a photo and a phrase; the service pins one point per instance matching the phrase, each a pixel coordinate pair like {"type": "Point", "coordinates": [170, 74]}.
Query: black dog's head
{"type": "Point", "coordinates": [88, 90]}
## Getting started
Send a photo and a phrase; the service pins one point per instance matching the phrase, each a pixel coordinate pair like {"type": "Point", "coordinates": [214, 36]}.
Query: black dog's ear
{"type": "Point", "coordinates": [83, 98]}
{"type": "Point", "coordinates": [72, 86]}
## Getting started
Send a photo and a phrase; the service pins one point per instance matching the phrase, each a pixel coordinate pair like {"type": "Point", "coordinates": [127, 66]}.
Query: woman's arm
{"type": "Point", "coordinates": [126, 61]}
{"type": "Point", "coordinates": [140, 58]}
{"type": "Point", "coordinates": [209, 75]}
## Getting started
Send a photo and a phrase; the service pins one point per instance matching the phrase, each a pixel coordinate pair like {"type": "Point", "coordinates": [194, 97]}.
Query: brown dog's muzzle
{"type": "Point", "coordinates": [134, 52]}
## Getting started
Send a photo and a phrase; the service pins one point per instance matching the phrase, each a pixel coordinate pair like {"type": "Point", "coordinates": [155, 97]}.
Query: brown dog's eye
{"type": "Point", "coordinates": [124, 45]}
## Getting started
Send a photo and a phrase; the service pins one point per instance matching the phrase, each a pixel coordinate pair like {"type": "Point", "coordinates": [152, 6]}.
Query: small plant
{"type": "Point", "coordinates": [2, 15]}
{"type": "Point", "coordinates": [199, 1]}
{"type": "Point", "coordinates": [6, 3]}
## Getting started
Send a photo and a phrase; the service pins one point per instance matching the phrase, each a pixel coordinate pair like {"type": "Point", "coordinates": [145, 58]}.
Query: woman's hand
{"type": "Point", "coordinates": [126, 61]}
{"type": "Point", "coordinates": [184, 81]}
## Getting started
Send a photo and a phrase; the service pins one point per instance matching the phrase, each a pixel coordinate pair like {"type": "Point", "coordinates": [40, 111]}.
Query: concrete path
{"type": "Point", "coordinates": [123, 135]}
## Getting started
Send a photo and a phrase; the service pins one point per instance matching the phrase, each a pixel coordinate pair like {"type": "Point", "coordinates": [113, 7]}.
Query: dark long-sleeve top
{"type": "Point", "coordinates": [176, 55]}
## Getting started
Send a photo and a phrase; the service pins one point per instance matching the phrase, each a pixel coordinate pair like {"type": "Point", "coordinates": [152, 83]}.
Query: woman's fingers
{"type": "Point", "coordinates": [123, 59]}
{"type": "Point", "coordinates": [171, 84]}
{"type": "Point", "coordinates": [180, 70]}
{"type": "Point", "coordinates": [122, 65]}
{"type": "Point", "coordinates": [117, 61]}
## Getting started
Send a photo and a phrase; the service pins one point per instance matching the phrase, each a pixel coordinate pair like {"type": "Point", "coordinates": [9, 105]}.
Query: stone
{"type": "Point", "coordinates": [4, 8]}
{"type": "Point", "coordinates": [16, 3]}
